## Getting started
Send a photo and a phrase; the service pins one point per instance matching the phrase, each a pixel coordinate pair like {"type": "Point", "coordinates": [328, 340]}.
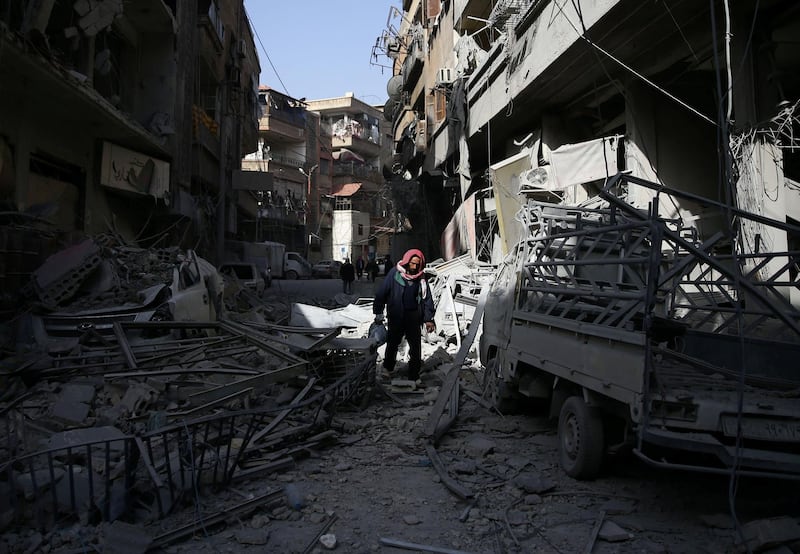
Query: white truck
{"type": "Point", "coordinates": [640, 334]}
{"type": "Point", "coordinates": [271, 259]}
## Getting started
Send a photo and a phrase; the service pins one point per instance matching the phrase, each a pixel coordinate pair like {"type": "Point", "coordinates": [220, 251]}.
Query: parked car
{"type": "Point", "coordinates": [326, 269]}
{"type": "Point", "coordinates": [247, 275]}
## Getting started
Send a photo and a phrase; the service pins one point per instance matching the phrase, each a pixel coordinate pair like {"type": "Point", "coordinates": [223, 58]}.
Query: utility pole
{"type": "Point", "coordinates": [309, 199]}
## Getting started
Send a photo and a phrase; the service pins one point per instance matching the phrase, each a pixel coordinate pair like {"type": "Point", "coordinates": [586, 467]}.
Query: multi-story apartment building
{"type": "Point", "coordinates": [490, 98]}
{"type": "Point", "coordinates": [362, 222]}
{"type": "Point", "coordinates": [129, 117]}
{"type": "Point", "coordinates": [281, 167]}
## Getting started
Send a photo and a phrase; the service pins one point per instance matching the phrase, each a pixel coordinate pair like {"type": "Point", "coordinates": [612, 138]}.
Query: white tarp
{"type": "Point", "coordinates": [576, 164]}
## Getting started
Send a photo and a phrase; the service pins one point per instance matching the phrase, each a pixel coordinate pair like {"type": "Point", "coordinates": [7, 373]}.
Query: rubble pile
{"type": "Point", "coordinates": [122, 420]}
{"type": "Point", "coordinates": [129, 428]}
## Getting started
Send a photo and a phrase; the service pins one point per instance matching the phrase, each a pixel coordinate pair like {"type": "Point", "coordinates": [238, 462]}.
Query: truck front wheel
{"type": "Point", "coordinates": [580, 439]}
{"type": "Point", "coordinates": [291, 275]}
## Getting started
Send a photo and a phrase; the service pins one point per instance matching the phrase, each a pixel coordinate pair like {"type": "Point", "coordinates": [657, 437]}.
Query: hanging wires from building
{"type": "Point", "coordinates": [628, 68]}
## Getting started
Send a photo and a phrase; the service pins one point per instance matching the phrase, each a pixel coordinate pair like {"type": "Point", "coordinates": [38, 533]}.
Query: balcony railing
{"type": "Point", "coordinates": [358, 170]}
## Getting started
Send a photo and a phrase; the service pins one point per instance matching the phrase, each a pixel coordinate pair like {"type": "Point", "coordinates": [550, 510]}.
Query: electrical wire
{"type": "Point", "coordinates": [726, 166]}
{"type": "Point", "coordinates": [638, 75]}
{"type": "Point", "coordinates": [274, 69]}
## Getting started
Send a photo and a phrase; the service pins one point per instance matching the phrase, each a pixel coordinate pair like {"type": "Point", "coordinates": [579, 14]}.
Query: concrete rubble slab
{"type": "Point", "coordinates": [767, 533]}
{"type": "Point", "coordinates": [74, 392]}
{"type": "Point", "coordinates": [59, 278]}
{"type": "Point", "coordinates": [125, 538]}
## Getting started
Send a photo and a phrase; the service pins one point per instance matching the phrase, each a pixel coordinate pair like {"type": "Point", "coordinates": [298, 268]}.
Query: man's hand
{"type": "Point", "coordinates": [430, 326]}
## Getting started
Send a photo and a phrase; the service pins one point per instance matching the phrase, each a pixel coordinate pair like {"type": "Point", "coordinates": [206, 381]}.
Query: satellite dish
{"type": "Point", "coordinates": [394, 87]}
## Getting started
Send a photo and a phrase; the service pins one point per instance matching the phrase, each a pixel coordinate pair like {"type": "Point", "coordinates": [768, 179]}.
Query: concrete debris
{"type": "Point", "coordinates": [328, 540]}
{"type": "Point", "coordinates": [125, 538]}
{"type": "Point", "coordinates": [256, 537]}
{"type": "Point", "coordinates": [611, 532]}
{"type": "Point", "coordinates": [142, 387]}
{"type": "Point", "coordinates": [62, 274]}
{"type": "Point", "coordinates": [768, 533]}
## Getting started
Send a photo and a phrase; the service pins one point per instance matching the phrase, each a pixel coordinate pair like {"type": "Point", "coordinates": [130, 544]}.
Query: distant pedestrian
{"type": "Point", "coordinates": [372, 269]}
{"type": "Point", "coordinates": [348, 275]}
{"type": "Point", "coordinates": [387, 264]}
{"type": "Point", "coordinates": [360, 267]}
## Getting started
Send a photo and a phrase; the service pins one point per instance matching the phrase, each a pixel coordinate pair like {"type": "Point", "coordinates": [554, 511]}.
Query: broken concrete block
{"type": "Point", "coordinates": [252, 536]}
{"type": "Point", "coordinates": [77, 393]}
{"type": "Point", "coordinates": [124, 537]}
{"type": "Point", "coordinates": [328, 540]}
{"type": "Point", "coordinates": [533, 484]}
{"type": "Point", "coordinates": [61, 275]}
{"type": "Point", "coordinates": [37, 481]}
{"type": "Point", "coordinates": [70, 413]}
{"type": "Point", "coordinates": [478, 446]}
{"type": "Point", "coordinates": [138, 397]}
{"type": "Point", "coordinates": [466, 467]}
{"type": "Point", "coordinates": [75, 494]}
{"type": "Point", "coordinates": [611, 532]}
{"type": "Point", "coordinates": [717, 521]}
{"type": "Point", "coordinates": [79, 437]}
{"type": "Point", "coordinates": [82, 7]}
{"type": "Point", "coordinates": [766, 533]}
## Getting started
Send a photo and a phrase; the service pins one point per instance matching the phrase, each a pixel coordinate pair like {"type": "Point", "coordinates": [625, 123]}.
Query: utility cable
{"type": "Point", "coordinates": [725, 177]}
{"type": "Point", "coordinates": [252, 26]}
{"type": "Point", "coordinates": [622, 64]}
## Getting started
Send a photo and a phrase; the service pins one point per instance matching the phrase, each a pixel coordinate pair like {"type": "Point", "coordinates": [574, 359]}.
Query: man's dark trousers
{"type": "Point", "coordinates": [410, 327]}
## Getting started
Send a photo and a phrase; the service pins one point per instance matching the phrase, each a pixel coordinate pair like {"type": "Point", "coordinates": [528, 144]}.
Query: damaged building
{"type": "Point", "coordinates": [495, 100]}
{"type": "Point", "coordinates": [121, 117]}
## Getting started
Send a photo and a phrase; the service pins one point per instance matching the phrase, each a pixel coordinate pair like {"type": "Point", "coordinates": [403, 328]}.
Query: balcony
{"type": "Point", "coordinates": [364, 147]}
{"type": "Point", "coordinates": [150, 16]}
{"type": "Point", "coordinates": [360, 172]}
{"type": "Point", "coordinates": [277, 127]}
{"type": "Point", "coordinates": [285, 169]}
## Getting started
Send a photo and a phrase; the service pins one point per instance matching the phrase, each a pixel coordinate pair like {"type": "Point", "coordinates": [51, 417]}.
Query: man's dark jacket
{"type": "Point", "coordinates": [347, 272]}
{"type": "Point", "coordinates": [400, 296]}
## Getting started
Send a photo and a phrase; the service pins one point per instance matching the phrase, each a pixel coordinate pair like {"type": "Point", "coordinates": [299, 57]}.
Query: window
{"type": "Point", "coordinates": [360, 230]}
{"type": "Point", "coordinates": [216, 21]}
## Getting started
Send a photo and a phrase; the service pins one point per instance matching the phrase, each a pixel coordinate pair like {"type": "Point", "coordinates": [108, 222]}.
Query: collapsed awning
{"type": "Point", "coordinates": [345, 155]}
{"type": "Point", "coordinates": [346, 189]}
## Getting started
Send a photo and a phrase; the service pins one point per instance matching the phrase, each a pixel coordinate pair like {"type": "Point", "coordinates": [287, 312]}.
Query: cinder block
{"type": "Point", "coordinates": [71, 413]}
{"type": "Point", "coordinates": [77, 393]}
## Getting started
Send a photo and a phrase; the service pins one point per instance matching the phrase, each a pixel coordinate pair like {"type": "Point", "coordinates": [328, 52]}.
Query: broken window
{"type": "Point", "coordinates": [56, 191]}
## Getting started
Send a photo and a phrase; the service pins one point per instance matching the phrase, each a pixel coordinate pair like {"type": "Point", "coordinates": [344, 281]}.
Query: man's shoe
{"type": "Point", "coordinates": [387, 374]}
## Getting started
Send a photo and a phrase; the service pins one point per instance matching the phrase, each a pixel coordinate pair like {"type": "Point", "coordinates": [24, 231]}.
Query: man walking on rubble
{"type": "Point", "coordinates": [409, 303]}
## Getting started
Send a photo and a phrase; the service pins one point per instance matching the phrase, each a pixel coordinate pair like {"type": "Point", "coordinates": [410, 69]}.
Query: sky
{"type": "Point", "coordinates": [318, 49]}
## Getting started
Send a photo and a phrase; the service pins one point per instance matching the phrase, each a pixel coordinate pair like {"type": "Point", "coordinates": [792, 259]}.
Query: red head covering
{"type": "Point", "coordinates": [403, 263]}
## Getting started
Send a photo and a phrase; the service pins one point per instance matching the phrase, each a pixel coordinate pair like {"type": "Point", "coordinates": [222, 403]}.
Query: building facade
{"type": "Point", "coordinates": [127, 118]}
{"type": "Point", "coordinates": [490, 98]}
{"type": "Point", "coordinates": [362, 217]}
{"type": "Point", "coordinates": [276, 178]}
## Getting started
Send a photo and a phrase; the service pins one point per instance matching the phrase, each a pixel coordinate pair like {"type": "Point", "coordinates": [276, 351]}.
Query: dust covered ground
{"type": "Point", "coordinates": [378, 487]}
{"type": "Point", "coordinates": [491, 485]}
{"type": "Point", "coordinates": [377, 490]}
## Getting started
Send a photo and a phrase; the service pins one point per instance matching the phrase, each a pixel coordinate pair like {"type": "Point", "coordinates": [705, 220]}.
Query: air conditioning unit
{"type": "Point", "coordinates": [445, 75]}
